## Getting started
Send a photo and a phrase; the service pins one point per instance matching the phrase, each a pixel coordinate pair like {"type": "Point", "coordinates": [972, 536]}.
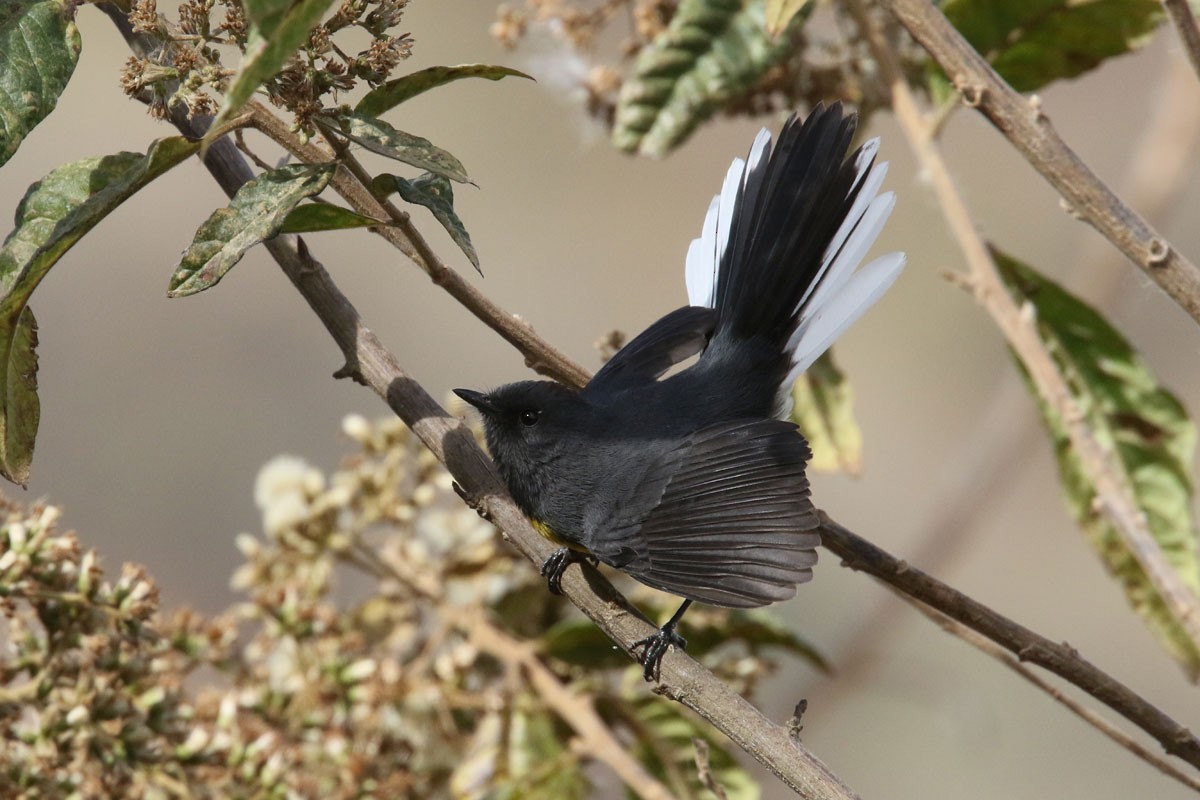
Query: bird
{"type": "Point", "coordinates": [692, 481]}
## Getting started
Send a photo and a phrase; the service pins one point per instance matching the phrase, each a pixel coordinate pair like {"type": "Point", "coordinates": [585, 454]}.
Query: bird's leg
{"type": "Point", "coordinates": [554, 567]}
{"type": "Point", "coordinates": [656, 645]}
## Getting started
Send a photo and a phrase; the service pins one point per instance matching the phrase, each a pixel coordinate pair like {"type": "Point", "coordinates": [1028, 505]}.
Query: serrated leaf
{"type": "Point", "coordinates": [391, 94]}
{"type": "Point", "coordinates": [380, 137]}
{"type": "Point", "coordinates": [55, 214]}
{"type": "Point", "coordinates": [780, 14]}
{"type": "Point", "coordinates": [39, 46]}
{"type": "Point", "coordinates": [712, 52]}
{"type": "Point", "coordinates": [255, 214]}
{"type": "Point", "coordinates": [663, 742]}
{"type": "Point", "coordinates": [1145, 426]}
{"type": "Point", "coordinates": [280, 30]}
{"type": "Point", "coordinates": [314, 217]}
{"type": "Point", "coordinates": [435, 193]}
{"type": "Point", "coordinates": [823, 407]}
{"type": "Point", "coordinates": [1033, 42]}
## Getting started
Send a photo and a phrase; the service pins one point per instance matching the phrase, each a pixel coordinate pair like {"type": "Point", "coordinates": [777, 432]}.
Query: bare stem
{"type": "Point", "coordinates": [1184, 21]}
{"type": "Point", "coordinates": [1061, 659]}
{"type": "Point", "coordinates": [1089, 716]}
{"type": "Point", "coordinates": [1028, 128]}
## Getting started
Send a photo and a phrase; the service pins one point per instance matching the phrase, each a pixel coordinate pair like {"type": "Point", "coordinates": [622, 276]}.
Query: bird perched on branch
{"type": "Point", "coordinates": [693, 483]}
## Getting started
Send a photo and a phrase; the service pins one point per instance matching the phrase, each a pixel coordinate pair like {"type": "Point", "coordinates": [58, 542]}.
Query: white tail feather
{"type": "Point", "coordinates": [827, 323]}
{"type": "Point", "coordinates": [700, 270]}
{"type": "Point", "coordinates": [705, 253]}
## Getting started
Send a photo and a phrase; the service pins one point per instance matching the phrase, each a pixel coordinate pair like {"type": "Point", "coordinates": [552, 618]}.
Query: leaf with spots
{"type": "Point", "coordinates": [435, 193]}
{"type": "Point", "coordinates": [256, 213]}
{"type": "Point", "coordinates": [55, 213]}
{"type": "Point", "coordinates": [379, 137]}
{"type": "Point", "coordinates": [823, 407]}
{"type": "Point", "coordinates": [39, 47]}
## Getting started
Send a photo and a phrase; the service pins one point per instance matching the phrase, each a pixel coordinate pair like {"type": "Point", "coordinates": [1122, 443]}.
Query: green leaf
{"type": "Point", "coordinates": [39, 46]}
{"type": "Point", "coordinates": [663, 734]}
{"type": "Point", "coordinates": [255, 214]}
{"type": "Point", "coordinates": [823, 407]}
{"type": "Point", "coordinates": [577, 640]}
{"type": "Point", "coordinates": [712, 52]}
{"type": "Point", "coordinates": [781, 12]}
{"type": "Point", "coordinates": [435, 193]}
{"type": "Point", "coordinates": [391, 94]}
{"type": "Point", "coordinates": [273, 39]}
{"type": "Point", "coordinates": [313, 217]}
{"type": "Point", "coordinates": [379, 137]}
{"type": "Point", "coordinates": [1145, 426]}
{"type": "Point", "coordinates": [1033, 42]}
{"type": "Point", "coordinates": [55, 214]}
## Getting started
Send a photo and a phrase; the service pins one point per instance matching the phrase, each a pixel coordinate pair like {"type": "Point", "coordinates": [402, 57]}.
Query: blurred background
{"type": "Point", "coordinates": [157, 414]}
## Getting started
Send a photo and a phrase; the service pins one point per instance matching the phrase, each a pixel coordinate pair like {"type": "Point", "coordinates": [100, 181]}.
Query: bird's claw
{"type": "Point", "coordinates": [554, 567]}
{"type": "Point", "coordinates": [655, 647]}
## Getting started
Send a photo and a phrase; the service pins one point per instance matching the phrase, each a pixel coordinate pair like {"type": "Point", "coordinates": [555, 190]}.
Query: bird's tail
{"type": "Point", "coordinates": [779, 253]}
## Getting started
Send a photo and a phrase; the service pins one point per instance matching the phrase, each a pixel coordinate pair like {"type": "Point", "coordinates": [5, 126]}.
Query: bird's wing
{"type": "Point", "coordinates": [732, 525]}
{"type": "Point", "coordinates": [677, 336]}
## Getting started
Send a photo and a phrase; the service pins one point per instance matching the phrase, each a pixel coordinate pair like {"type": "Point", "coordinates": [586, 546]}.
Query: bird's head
{"type": "Point", "coordinates": [526, 423]}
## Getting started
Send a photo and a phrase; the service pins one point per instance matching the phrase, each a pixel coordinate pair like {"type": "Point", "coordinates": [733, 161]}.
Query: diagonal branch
{"type": "Point", "coordinates": [990, 648]}
{"type": "Point", "coordinates": [1184, 21]}
{"type": "Point", "coordinates": [1061, 659]}
{"type": "Point", "coordinates": [1028, 128]}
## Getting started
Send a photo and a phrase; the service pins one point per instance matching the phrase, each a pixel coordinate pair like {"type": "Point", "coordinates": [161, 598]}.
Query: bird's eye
{"type": "Point", "coordinates": [530, 418]}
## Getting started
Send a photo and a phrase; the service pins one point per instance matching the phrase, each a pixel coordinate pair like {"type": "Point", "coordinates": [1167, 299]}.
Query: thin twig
{"type": "Point", "coordinates": [1028, 128]}
{"type": "Point", "coordinates": [1184, 21]}
{"type": "Point", "coordinates": [1061, 659]}
{"type": "Point", "coordinates": [353, 183]}
{"type": "Point", "coordinates": [1114, 496]}
{"type": "Point", "coordinates": [1083, 712]}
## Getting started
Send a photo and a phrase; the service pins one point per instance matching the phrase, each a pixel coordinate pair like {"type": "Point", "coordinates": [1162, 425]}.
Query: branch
{"type": "Point", "coordinates": [352, 183]}
{"type": "Point", "coordinates": [684, 680]}
{"type": "Point", "coordinates": [1029, 130]}
{"type": "Point", "coordinates": [1114, 496]}
{"type": "Point", "coordinates": [989, 647]}
{"type": "Point", "coordinates": [1061, 659]}
{"type": "Point", "coordinates": [1184, 21]}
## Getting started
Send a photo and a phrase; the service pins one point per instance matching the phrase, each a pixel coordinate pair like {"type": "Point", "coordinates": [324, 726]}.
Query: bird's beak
{"type": "Point", "coordinates": [477, 399]}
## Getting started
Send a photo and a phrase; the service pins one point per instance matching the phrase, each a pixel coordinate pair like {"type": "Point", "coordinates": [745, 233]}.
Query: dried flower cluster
{"type": "Point", "coordinates": [188, 67]}
{"type": "Point", "coordinates": [423, 686]}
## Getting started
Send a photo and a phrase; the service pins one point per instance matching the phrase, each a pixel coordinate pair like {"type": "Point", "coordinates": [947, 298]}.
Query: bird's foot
{"type": "Point", "coordinates": [654, 647]}
{"type": "Point", "coordinates": [554, 567]}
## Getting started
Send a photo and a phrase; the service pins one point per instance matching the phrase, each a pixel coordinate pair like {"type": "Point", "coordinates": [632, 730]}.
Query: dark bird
{"type": "Point", "coordinates": [693, 483]}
